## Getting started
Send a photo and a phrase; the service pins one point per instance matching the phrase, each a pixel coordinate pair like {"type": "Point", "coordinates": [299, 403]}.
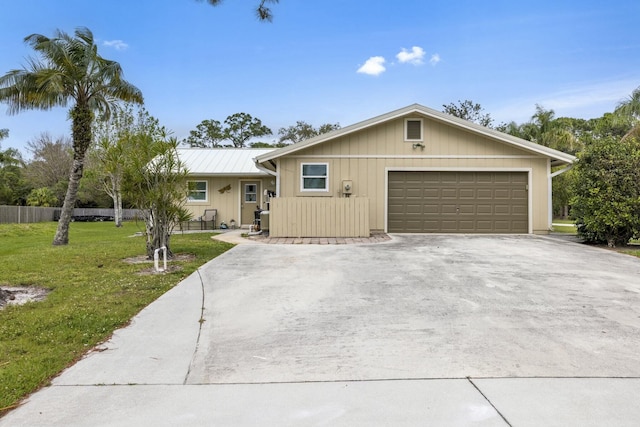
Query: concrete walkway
{"type": "Point", "coordinates": [244, 342]}
{"type": "Point", "coordinates": [236, 237]}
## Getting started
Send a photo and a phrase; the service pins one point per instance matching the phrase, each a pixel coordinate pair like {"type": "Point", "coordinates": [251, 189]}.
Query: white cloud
{"type": "Point", "coordinates": [435, 58]}
{"type": "Point", "coordinates": [116, 44]}
{"type": "Point", "coordinates": [414, 56]}
{"type": "Point", "coordinates": [374, 66]}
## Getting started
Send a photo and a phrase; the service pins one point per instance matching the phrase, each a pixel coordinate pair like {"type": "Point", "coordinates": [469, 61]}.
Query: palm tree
{"type": "Point", "coordinates": [630, 109]}
{"type": "Point", "coordinates": [68, 71]}
{"type": "Point", "coordinates": [262, 11]}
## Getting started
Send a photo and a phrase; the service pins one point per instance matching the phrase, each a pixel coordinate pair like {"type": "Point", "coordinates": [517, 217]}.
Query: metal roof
{"type": "Point", "coordinates": [557, 157]}
{"type": "Point", "coordinates": [222, 161]}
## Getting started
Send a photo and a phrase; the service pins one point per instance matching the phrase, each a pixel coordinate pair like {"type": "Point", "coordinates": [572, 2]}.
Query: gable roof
{"type": "Point", "coordinates": [222, 161]}
{"type": "Point", "coordinates": [557, 157]}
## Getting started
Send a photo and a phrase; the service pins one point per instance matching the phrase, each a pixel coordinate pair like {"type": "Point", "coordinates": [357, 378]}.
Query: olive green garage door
{"type": "Point", "coordinates": [457, 202]}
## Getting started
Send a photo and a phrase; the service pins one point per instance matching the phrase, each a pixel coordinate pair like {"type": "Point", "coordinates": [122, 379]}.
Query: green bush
{"type": "Point", "coordinates": [606, 202]}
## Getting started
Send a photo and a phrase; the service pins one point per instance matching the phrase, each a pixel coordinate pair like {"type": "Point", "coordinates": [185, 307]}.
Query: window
{"type": "Point", "coordinates": [315, 177]}
{"type": "Point", "coordinates": [197, 191]}
{"type": "Point", "coordinates": [250, 193]}
{"type": "Point", "coordinates": [413, 130]}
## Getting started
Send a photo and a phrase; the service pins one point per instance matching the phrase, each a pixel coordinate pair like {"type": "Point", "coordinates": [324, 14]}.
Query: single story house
{"type": "Point", "coordinates": [412, 170]}
{"type": "Point", "coordinates": [228, 181]}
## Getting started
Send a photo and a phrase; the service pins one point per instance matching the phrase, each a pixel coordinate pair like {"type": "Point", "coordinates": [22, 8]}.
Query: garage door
{"type": "Point", "coordinates": [458, 202]}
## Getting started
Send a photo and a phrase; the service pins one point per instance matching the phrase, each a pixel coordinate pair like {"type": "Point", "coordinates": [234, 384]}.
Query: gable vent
{"type": "Point", "coordinates": [413, 130]}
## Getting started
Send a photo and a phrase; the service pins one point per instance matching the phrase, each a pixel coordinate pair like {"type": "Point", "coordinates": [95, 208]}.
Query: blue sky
{"type": "Point", "coordinates": [341, 61]}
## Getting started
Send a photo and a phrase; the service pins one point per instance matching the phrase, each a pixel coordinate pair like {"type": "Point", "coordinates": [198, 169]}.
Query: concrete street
{"type": "Point", "coordinates": [419, 330]}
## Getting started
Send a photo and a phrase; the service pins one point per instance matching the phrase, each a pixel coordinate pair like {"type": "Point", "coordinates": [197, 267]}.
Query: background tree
{"type": "Point", "coordinates": [68, 71]}
{"type": "Point", "coordinates": [468, 110]}
{"type": "Point", "coordinates": [4, 133]}
{"type": "Point", "coordinates": [262, 11]}
{"type": "Point", "coordinates": [42, 197]}
{"type": "Point", "coordinates": [606, 202]}
{"type": "Point", "coordinates": [115, 147]}
{"type": "Point", "coordinates": [91, 192]}
{"type": "Point", "coordinates": [13, 187]}
{"type": "Point", "coordinates": [301, 131]}
{"type": "Point", "coordinates": [50, 163]}
{"type": "Point", "coordinates": [558, 133]}
{"type": "Point", "coordinates": [629, 110]}
{"type": "Point", "coordinates": [207, 134]}
{"type": "Point", "coordinates": [241, 127]}
{"type": "Point", "coordinates": [156, 182]}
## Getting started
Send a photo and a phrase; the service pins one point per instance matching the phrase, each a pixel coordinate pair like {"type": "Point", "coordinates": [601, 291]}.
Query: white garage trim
{"type": "Point", "coordinates": [529, 172]}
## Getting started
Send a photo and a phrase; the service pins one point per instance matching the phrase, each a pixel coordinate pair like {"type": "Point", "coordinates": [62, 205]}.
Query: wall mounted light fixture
{"type": "Point", "coordinates": [418, 144]}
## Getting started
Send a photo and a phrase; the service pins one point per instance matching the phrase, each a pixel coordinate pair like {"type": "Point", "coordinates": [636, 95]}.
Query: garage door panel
{"type": "Point", "coordinates": [414, 193]}
{"type": "Point", "coordinates": [449, 193]}
{"type": "Point", "coordinates": [467, 193]}
{"type": "Point", "coordinates": [448, 209]}
{"type": "Point", "coordinates": [467, 209]}
{"type": "Point", "coordinates": [458, 202]}
{"type": "Point", "coordinates": [501, 193]}
{"type": "Point", "coordinates": [519, 211]}
{"type": "Point", "coordinates": [484, 193]}
{"type": "Point", "coordinates": [431, 193]}
{"type": "Point", "coordinates": [519, 194]}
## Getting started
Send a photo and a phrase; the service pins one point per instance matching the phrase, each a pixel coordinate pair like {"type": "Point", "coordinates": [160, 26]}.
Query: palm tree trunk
{"type": "Point", "coordinates": [62, 232]}
{"type": "Point", "coordinates": [81, 129]}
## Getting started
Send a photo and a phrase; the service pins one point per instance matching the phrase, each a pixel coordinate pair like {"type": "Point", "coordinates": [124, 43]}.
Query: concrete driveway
{"type": "Point", "coordinates": [422, 330]}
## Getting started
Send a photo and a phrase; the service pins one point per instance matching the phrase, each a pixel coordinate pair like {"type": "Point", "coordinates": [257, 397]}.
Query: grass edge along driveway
{"type": "Point", "coordinates": [93, 292]}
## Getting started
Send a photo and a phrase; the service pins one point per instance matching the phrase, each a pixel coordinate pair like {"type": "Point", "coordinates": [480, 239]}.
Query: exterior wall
{"type": "Point", "coordinates": [365, 158]}
{"type": "Point", "coordinates": [319, 217]}
{"type": "Point", "coordinates": [228, 202]}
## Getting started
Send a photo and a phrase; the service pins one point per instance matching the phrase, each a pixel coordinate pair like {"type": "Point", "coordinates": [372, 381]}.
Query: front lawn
{"type": "Point", "coordinates": [93, 292]}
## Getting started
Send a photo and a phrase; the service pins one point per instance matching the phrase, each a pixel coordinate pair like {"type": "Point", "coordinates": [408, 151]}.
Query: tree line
{"type": "Point", "coordinates": [240, 128]}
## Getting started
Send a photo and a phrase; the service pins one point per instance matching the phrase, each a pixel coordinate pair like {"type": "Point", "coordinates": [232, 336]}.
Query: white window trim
{"type": "Point", "coordinates": [406, 125]}
{"type": "Point", "coordinates": [314, 190]}
{"type": "Point", "coordinates": [244, 193]}
{"type": "Point", "coordinates": [206, 191]}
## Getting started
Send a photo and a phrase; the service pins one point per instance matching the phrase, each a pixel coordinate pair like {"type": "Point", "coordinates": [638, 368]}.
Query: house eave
{"type": "Point", "coordinates": [558, 158]}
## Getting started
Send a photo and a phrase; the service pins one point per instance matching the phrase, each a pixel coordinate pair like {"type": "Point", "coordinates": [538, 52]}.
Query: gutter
{"type": "Point", "coordinates": [561, 171]}
{"type": "Point", "coordinates": [272, 173]}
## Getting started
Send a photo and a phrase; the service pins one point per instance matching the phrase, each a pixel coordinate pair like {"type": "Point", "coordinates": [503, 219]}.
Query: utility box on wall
{"type": "Point", "coordinates": [347, 186]}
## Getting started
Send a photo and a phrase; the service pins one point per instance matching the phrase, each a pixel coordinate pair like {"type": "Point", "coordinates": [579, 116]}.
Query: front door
{"type": "Point", "coordinates": [250, 201]}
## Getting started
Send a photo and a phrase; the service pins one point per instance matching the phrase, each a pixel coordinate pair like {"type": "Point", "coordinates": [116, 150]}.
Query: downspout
{"type": "Point", "coordinates": [550, 191]}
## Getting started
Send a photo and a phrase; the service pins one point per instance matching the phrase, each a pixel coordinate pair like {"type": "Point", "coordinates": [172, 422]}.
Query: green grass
{"type": "Point", "coordinates": [93, 292]}
{"type": "Point", "coordinates": [564, 221]}
{"type": "Point", "coordinates": [567, 226]}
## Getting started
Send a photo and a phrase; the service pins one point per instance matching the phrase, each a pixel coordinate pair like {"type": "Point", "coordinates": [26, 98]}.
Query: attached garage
{"type": "Point", "coordinates": [414, 170]}
{"type": "Point", "coordinates": [458, 202]}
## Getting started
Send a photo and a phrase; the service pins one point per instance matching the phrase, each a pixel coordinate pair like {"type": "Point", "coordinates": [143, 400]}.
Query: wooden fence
{"type": "Point", "coordinates": [27, 214]}
{"type": "Point", "coordinates": [319, 217]}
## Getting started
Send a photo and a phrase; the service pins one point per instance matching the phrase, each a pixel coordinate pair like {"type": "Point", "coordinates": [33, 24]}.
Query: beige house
{"type": "Point", "coordinates": [228, 181]}
{"type": "Point", "coordinates": [413, 170]}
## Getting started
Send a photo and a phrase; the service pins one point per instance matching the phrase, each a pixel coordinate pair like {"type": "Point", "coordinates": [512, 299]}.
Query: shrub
{"type": "Point", "coordinates": [606, 202]}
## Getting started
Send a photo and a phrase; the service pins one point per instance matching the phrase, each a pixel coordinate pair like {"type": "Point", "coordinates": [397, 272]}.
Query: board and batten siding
{"type": "Point", "coordinates": [366, 157]}
{"type": "Point", "coordinates": [319, 217]}
{"type": "Point", "coordinates": [228, 202]}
